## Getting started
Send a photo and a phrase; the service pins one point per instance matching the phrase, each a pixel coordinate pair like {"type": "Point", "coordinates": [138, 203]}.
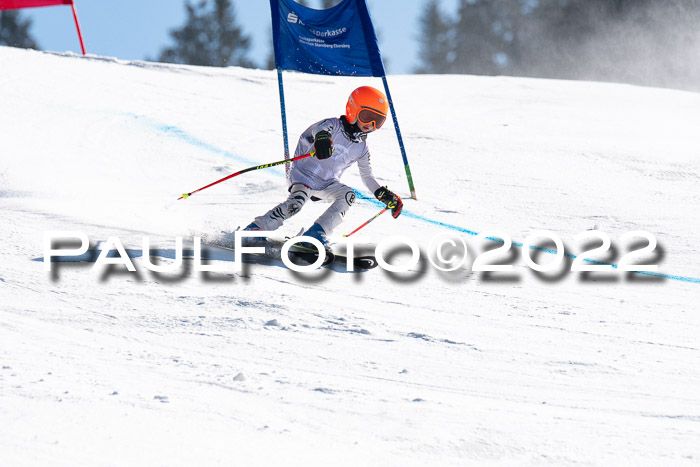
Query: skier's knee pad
{"type": "Point", "coordinates": [294, 205]}
{"type": "Point", "coordinates": [350, 197]}
{"type": "Point", "coordinates": [296, 202]}
{"type": "Point", "coordinates": [343, 203]}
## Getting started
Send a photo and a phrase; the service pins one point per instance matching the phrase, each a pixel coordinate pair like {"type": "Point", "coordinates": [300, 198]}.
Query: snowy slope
{"type": "Point", "coordinates": [270, 366]}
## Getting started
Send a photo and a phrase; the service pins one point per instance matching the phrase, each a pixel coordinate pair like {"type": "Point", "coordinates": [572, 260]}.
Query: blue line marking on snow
{"type": "Point", "coordinates": [692, 280]}
{"type": "Point", "coordinates": [416, 216]}
{"type": "Point", "coordinates": [179, 133]}
{"type": "Point", "coordinates": [189, 139]}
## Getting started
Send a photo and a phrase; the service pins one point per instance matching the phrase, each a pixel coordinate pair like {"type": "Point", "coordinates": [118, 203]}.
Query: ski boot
{"type": "Point", "coordinates": [254, 241]}
{"type": "Point", "coordinates": [317, 232]}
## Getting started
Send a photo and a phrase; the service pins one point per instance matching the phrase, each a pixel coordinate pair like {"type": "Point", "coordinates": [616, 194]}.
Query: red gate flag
{"type": "Point", "coordinates": [16, 4]}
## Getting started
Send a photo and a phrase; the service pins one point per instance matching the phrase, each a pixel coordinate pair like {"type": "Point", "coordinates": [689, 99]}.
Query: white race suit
{"type": "Point", "coordinates": [311, 177]}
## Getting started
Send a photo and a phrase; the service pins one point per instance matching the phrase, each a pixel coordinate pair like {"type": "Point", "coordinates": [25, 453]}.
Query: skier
{"type": "Point", "coordinates": [335, 144]}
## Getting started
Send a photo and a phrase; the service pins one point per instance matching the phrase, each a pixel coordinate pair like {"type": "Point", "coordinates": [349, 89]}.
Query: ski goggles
{"type": "Point", "coordinates": [367, 116]}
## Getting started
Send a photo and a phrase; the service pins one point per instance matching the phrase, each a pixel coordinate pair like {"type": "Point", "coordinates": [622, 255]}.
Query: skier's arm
{"type": "Point", "coordinates": [366, 173]}
{"type": "Point", "coordinates": [382, 193]}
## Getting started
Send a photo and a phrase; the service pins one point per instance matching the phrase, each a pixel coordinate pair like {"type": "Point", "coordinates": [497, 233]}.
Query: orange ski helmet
{"type": "Point", "coordinates": [368, 105]}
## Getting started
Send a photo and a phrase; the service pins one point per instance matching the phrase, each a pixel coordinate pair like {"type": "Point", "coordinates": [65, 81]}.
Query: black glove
{"type": "Point", "coordinates": [391, 200]}
{"type": "Point", "coordinates": [323, 145]}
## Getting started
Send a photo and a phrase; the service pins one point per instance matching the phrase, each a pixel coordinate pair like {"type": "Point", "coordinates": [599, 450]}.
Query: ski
{"type": "Point", "coordinates": [359, 262]}
{"type": "Point", "coordinates": [306, 254]}
{"type": "Point", "coordinates": [309, 254]}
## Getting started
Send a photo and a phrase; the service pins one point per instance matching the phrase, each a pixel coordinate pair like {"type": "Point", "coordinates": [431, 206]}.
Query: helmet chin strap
{"type": "Point", "coordinates": [352, 129]}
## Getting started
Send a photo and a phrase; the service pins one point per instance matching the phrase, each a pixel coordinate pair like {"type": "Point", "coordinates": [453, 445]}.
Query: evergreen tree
{"type": "Point", "coordinates": [564, 28]}
{"type": "Point", "coordinates": [435, 40]}
{"type": "Point", "coordinates": [588, 39]}
{"type": "Point", "coordinates": [209, 37]}
{"type": "Point", "coordinates": [14, 31]}
{"type": "Point", "coordinates": [652, 42]}
{"type": "Point", "coordinates": [270, 62]}
{"type": "Point", "coordinates": [477, 44]}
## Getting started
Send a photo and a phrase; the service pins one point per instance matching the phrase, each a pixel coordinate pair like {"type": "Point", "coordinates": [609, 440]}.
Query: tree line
{"type": "Point", "coordinates": [652, 42]}
{"type": "Point", "coordinates": [649, 42]}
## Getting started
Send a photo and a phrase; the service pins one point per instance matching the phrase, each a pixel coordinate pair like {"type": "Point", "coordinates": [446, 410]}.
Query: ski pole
{"type": "Point", "coordinates": [264, 166]}
{"type": "Point", "coordinates": [370, 220]}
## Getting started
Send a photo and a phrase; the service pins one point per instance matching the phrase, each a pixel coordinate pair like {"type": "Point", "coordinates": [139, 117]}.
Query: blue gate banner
{"type": "Point", "coordinates": [337, 41]}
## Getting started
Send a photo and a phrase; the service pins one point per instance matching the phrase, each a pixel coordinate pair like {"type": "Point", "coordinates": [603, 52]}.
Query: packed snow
{"type": "Point", "coordinates": [103, 366]}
